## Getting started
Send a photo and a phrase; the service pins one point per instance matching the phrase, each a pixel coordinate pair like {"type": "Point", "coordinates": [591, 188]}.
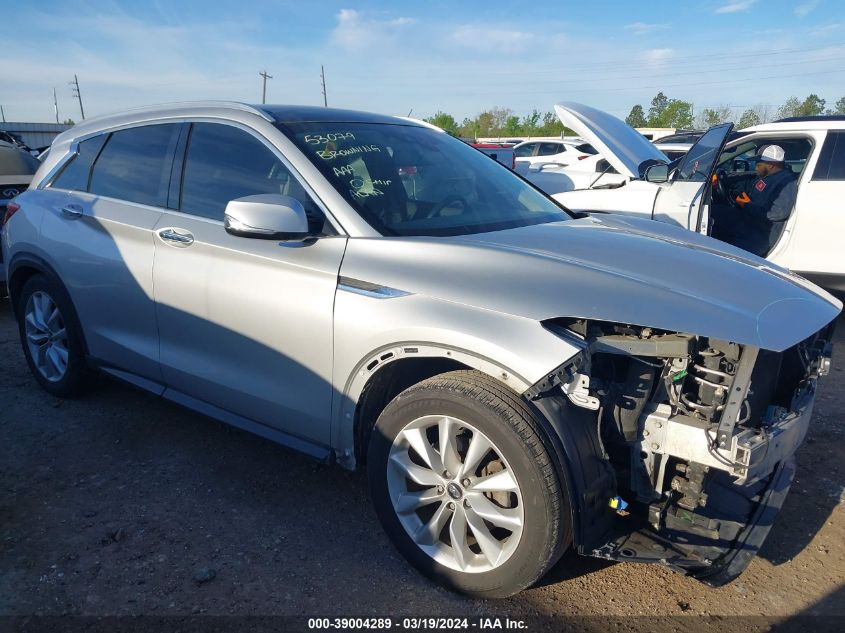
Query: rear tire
{"type": "Point", "coordinates": [51, 337]}
{"type": "Point", "coordinates": [481, 511]}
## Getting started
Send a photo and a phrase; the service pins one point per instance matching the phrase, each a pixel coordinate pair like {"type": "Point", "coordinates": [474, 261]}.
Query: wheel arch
{"type": "Point", "coordinates": [22, 268]}
{"type": "Point", "coordinates": [386, 372]}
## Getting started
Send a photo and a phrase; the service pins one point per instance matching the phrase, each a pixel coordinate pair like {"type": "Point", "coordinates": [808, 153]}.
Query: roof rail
{"type": "Point", "coordinates": [818, 117]}
{"type": "Point", "coordinates": [235, 105]}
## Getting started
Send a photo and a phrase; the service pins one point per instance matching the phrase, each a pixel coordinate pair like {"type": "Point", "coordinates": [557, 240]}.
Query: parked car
{"type": "Point", "coordinates": [587, 172]}
{"type": "Point", "coordinates": [16, 170]}
{"type": "Point", "coordinates": [563, 152]}
{"type": "Point", "coordinates": [554, 177]}
{"type": "Point", "coordinates": [682, 137]}
{"type": "Point", "coordinates": [815, 149]}
{"type": "Point", "coordinates": [373, 292]}
{"type": "Point", "coordinates": [674, 151]}
{"type": "Point", "coordinates": [502, 152]}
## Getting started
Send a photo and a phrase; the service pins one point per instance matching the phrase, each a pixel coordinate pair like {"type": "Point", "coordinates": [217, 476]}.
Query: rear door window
{"type": "Point", "coordinates": [135, 164]}
{"type": "Point", "coordinates": [75, 174]}
{"type": "Point", "coordinates": [831, 165]}
{"type": "Point", "coordinates": [549, 149]}
{"type": "Point", "coordinates": [525, 150]}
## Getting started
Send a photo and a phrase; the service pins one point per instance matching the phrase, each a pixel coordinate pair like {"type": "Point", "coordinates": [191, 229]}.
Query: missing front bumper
{"type": "Point", "coordinates": [712, 561]}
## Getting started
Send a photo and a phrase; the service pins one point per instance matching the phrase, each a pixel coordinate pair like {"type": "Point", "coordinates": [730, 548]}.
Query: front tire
{"type": "Point", "coordinates": [464, 486]}
{"type": "Point", "coordinates": [51, 337]}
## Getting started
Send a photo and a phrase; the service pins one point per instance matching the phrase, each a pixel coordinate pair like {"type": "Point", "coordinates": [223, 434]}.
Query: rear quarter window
{"type": "Point", "coordinates": [75, 174]}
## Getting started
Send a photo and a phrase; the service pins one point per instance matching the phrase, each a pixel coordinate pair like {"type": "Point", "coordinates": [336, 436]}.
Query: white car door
{"type": "Point", "coordinates": [680, 201]}
{"type": "Point", "coordinates": [812, 240]}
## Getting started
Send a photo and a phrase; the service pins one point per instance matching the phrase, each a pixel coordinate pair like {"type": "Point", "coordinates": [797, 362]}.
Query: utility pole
{"type": "Point", "coordinates": [56, 105]}
{"type": "Point", "coordinates": [3, 112]}
{"type": "Point", "coordinates": [323, 77]}
{"type": "Point", "coordinates": [264, 74]}
{"type": "Point", "coordinates": [77, 94]}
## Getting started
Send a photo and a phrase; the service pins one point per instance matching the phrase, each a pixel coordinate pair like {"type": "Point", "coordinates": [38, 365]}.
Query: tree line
{"type": "Point", "coordinates": [666, 112]}
{"type": "Point", "coordinates": [501, 122]}
{"type": "Point", "coordinates": [663, 112]}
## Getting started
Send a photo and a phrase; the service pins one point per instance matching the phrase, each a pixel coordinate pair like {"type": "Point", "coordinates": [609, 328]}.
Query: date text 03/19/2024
{"type": "Point", "coordinates": [480, 623]}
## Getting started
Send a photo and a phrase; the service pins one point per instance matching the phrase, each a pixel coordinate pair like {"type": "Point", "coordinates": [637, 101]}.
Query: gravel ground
{"type": "Point", "coordinates": [119, 503]}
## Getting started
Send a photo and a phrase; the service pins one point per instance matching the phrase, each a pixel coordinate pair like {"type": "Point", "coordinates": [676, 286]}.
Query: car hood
{"type": "Point", "coordinates": [609, 268]}
{"type": "Point", "coordinates": [623, 147]}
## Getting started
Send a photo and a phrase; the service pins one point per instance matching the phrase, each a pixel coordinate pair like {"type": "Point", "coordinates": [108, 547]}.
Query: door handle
{"type": "Point", "coordinates": [72, 211]}
{"type": "Point", "coordinates": [180, 239]}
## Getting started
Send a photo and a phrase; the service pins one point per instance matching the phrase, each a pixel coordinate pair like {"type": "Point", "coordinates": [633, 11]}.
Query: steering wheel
{"type": "Point", "coordinates": [447, 202]}
{"type": "Point", "coordinates": [722, 188]}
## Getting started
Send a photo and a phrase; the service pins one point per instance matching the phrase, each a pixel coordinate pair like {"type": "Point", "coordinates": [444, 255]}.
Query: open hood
{"type": "Point", "coordinates": [626, 149]}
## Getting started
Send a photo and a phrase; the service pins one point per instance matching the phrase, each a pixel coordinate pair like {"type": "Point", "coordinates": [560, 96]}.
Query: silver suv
{"type": "Point", "coordinates": [370, 291]}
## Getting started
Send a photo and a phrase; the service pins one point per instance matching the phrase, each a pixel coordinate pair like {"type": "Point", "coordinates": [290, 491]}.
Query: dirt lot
{"type": "Point", "coordinates": [121, 503]}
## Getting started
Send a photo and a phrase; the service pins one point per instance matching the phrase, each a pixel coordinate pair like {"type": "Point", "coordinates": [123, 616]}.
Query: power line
{"type": "Point", "coordinates": [557, 90]}
{"type": "Point", "coordinates": [264, 74]}
{"type": "Point", "coordinates": [323, 78]}
{"type": "Point", "coordinates": [615, 76]}
{"type": "Point", "coordinates": [703, 58]}
{"type": "Point", "coordinates": [77, 94]}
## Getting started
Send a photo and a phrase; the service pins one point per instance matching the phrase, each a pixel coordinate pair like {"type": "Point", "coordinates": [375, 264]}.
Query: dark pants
{"type": "Point", "coordinates": [737, 227]}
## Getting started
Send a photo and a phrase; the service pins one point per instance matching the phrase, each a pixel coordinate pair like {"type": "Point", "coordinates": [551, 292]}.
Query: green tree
{"type": "Point", "coordinates": [512, 126]}
{"type": "Point", "coordinates": [500, 119]}
{"type": "Point", "coordinates": [713, 116]}
{"type": "Point", "coordinates": [551, 125]}
{"type": "Point", "coordinates": [748, 118]}
{"type": "Point", "coordinates": [790, 107]}
{"type": "Point", "coordinates": [485, 123]}
{"type": "Point", "coordinates": [69, 122]}
{"type": "Point", "coordinates": [678, 114]}
{"type": "Point", "coordinates": [445, 122]}
{"type": "Point", "coordinates": [657, 109]}
{"type": "Point", "coordinates": [839, 108]}
{"type": "Point", "coordinates": [708, 117]}
{"type": "Point", "coordinates": [531, 123]}
{"type": "Point", "coordinates": [469, 128]}
{"type": "Point", "coordinates": [636, 118]}
{"type": "Point", "coordinates": [812, 106]}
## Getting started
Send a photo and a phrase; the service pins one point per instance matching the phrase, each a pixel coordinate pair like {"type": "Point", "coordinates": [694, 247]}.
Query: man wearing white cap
{"type": "Point", "coordinates": [758, 221]}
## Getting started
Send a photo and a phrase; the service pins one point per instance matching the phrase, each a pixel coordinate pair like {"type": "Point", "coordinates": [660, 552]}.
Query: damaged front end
{"type": "Point", "coordinates": [685, 444]}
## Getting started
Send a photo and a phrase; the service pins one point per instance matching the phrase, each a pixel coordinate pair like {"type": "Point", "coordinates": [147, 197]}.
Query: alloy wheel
{"type": "Point", "coordinates": [455, 494]}
{"type": "Point", "coordinates": [46, 336]}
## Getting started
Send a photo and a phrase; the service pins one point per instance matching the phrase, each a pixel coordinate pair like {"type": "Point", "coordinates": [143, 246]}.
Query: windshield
{"type": "Point", "coordinates": [410, 180]}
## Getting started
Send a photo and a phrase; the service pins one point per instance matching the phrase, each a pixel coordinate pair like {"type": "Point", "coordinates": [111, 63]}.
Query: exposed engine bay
{"type": "Point", "coordinates": [698, 435]}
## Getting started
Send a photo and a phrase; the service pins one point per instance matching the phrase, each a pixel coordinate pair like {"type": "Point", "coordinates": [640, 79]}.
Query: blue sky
{"type": "Point", "coordinates": [458, 56]}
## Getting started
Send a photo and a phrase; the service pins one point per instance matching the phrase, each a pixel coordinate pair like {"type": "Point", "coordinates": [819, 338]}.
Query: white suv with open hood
{"type": "Point", "coordinates": [815, 149]}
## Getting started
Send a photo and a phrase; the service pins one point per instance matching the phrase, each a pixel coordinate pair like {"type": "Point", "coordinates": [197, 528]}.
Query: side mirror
{"type": "Point", "coordinates": [740, 164]}
{"type": "Point", "coordinates": [269, 216]}
{"type": "Point", "coordinates": [657, 173]}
